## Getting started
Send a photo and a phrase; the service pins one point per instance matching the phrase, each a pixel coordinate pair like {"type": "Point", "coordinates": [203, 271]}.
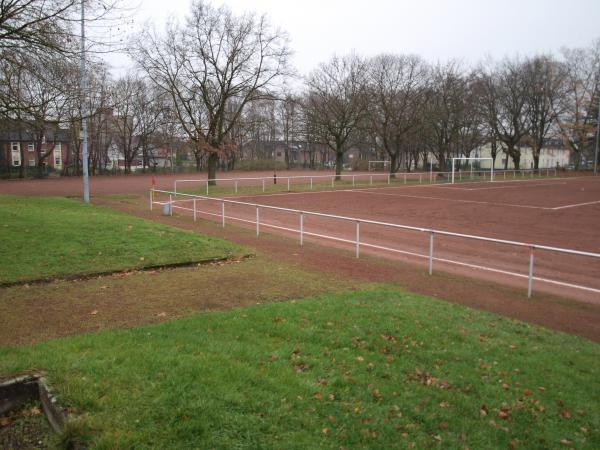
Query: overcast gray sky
{"type": "Point", "coordinates": [435, 29]}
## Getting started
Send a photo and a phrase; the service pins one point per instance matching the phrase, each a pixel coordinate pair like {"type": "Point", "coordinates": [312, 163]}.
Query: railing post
{"type": "Point", "coordinates": [236, 184]}
{"type": "Point", "coordinates": [257, 221]}
{"type": "Point", "coordinates": [357, 238]}
{"type": "Point", "coordinates": [371, 180]}
{"type": "Point", "coordinates": [223, 213]}
{"type": "Point", "coordinates": [311, 183]}
{"type": "Point", "coordinates": [353, 183]}
{"type": "Point", "coordinates": [420, 179]}
{"type": "Point", "coordinates": [151, 199]}
{"type": "Point", "coordinates": [431, 253]}
{"type": "Point", "coordinates": [530, 280]}
{"type": "Point", "coordinates": [332, 180]}
{"type": "Point", "coordinates": [405, 178]}
{"type": "Point", "coordinates": [288, 184]}
{"type": "Point", "coordinates": [194, 210]}
{"type": "Point", "coordinates": [263, 183]}
{"type": "Point", "coordinates": [170, 205]}
{"type": "Point", "coordinates": [389, 176]}
{"type": "Point", "coordinates": [206, 187]}
{"type": "Point", "coordinates": [301, 229]}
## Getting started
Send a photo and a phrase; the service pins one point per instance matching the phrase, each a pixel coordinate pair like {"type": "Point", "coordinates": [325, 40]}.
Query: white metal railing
{"type": "Point", "coordinates": [357, 242]}
{"type": "Point", "coordinates": [433, 177]}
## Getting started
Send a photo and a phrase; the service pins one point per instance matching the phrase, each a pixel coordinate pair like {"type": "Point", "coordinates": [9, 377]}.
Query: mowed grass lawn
{"type": "Point", "coordinates": [372, 369]}
{"type": "Point", "coordinates": [45, 237]}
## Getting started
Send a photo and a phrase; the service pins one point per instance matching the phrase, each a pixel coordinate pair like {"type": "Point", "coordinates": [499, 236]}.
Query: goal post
{"type": "Point", "coordinates": [465, 158]}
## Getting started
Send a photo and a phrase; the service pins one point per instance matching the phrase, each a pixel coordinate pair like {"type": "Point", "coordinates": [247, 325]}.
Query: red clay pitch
{"type": "Point", "coordinates": [558, 212]}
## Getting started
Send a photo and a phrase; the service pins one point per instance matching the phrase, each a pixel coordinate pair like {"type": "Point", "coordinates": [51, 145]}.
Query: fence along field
{"type": "Point", "coordinates": [286, 183]}
{"type": "Point", "coordinates": [549, 265]}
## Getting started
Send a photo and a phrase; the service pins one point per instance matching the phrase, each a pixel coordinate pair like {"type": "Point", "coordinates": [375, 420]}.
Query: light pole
{"type": "Point", "coordinates": [83, 86]}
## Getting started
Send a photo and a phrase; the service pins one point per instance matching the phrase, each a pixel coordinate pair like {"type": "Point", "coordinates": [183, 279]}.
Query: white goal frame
{"type": "Point", "coordinates": [465, 158]}
{"type": "Point", "coordinates": [386, 163]}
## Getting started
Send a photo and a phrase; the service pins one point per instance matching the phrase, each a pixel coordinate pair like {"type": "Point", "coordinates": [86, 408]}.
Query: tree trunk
{"type": "Point", "coordinates": [339, 163]}
{"type": "Point", "coordinates": [213, 161]}
{"type": "Point", "coordinates": [536, 159]}
{"type": "Point", "coordinates": [198, 157]}
{"type": "Point", "coordinates": [393, 164]}
{"type": "Point", "coordinates": [516, 157]}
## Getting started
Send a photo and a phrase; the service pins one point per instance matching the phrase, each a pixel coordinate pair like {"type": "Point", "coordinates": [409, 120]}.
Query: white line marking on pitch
{"type": "Point", "coordinates": [508, 187]}
{"type": "Point", "coordinates": [447, 199]}
{"type": "Point", "coordinates": [576, 205]}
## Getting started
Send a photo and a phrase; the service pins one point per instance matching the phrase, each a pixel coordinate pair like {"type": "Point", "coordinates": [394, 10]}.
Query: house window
{"type": "Point", "coordinates": [30, 147]}
{"type": "Point", "coordinates": [57, 156]}
{"type": "Point", "coordinates": [16, 153]}
{"type": "Point", "coordinates": [32, 163]}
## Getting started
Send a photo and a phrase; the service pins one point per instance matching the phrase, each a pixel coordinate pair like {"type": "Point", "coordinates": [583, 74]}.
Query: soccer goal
{"type": "Point", "coordinates": [473, 165]}
{"type": "Point", "coordinates": [379, 166]}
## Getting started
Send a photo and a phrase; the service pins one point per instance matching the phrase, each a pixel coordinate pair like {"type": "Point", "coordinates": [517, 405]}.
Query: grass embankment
{"type": "Point", "coordinates": [372, 369]}
{"type": "Point", "coordinates": [44, 238]}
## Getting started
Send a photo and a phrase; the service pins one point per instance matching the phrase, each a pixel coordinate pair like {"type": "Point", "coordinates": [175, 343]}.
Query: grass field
{"type": "Point", "coordinates": [43, 238]}
{"type": "Point", "coordinates": [374, 369]}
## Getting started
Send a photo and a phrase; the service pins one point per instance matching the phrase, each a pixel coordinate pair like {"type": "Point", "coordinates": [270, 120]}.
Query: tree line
{"type": "Point", "coordinates": [220, 86]}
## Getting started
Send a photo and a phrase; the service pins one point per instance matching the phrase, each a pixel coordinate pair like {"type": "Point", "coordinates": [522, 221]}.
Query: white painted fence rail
{"type": "Point", "coordinates": [422, 177]}
{"type": "Point", "coordinates": [357, 241]}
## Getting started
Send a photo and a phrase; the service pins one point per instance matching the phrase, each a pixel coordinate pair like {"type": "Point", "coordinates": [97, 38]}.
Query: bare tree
{"type": "Point", "coordinates": [582, 86]}
{"type": "Point", "coordinates": [512, 123]}
{"type": "Point", "coordinates": [545, 78]}
{"type": "Point", "coordinates": [137, 114]}
{"type": "Point", "coordinates": [336, 103]}
{"type": "Point", "coordinates": [215, 59]}
{"type": "Point", "coordinates": [398, 87]}
{"type": "Point", "coordinates": [444, 111]}
{"type": "Point", "coordinates": [287, 114]}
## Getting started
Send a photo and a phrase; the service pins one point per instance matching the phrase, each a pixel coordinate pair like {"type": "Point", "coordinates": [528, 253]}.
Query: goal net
{"type": "Point", "coordinates": [472, 169]}
{"type": "Point", "coordinates": [379, 166]}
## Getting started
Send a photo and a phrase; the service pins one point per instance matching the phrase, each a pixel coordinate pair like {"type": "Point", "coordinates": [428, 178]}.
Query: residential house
{"type": "Point", "coordinates": [18, 146]}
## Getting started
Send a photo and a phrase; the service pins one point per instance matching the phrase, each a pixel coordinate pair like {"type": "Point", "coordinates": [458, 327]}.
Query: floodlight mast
{"type": "Point", "coordinates": [83, 86]}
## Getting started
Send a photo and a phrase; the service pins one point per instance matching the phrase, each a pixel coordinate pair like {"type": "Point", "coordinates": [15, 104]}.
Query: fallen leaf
{"type": "Point", "coordinates": [94, 312]}
{"type": "Point", "coordinates": [504, 414]}
{"type": "Point", "coordinates": [161, 314]}
{"type": "Point", "coordinates": [505, 386]}
{"type": "Point", "coordinates": [273, 357]}
{"type": "Point", "coordinates": [331, 397]}
{"type": "Point", "coordinates": [565, 413]}
{"type": "Point", "coordinates": [565, 442]}
{"type": "Point", "coordinates": [325, 430]}
{"type": "Point", "coordinates": [528, 392]}
{"type": "Point", "coordinates": [317, 396]}
{"type": "Point", "coordinates": [483, 411]}
{"type": "Point", "coordinates": [541, 388]}
{"type": "Point", "coordinates": [142, 258]}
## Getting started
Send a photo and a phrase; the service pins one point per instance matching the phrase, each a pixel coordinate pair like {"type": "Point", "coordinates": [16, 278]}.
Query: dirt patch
{"type": "Point", "coordinates": [25, 429]}
{"type": "Point", "coordinates": [36, 313]}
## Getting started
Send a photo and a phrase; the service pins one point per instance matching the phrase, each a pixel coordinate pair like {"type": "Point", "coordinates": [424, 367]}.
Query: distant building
{"type": "Point", "coordinates": [18, 146]}
{"type": "Point", "coordinates": [553, 154]}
